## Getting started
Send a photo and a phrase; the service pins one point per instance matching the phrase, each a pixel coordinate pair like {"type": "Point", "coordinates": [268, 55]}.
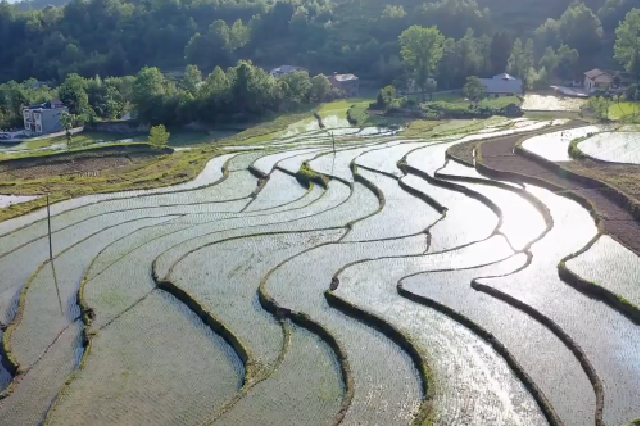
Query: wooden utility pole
{"type": "Point", "coordinates": [53, 269]}
{"type": "Point", "coordinates": [333, 142]}
{"type": "Point", "coordinates": [49, 229]}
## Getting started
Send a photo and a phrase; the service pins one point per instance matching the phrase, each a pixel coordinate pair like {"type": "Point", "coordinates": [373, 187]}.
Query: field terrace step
{"type": "Point", "coordinates": [610, 265]}
{"type": "Point", "coordinates": [466, 219]}
{"type": "Point", "coordinates": [533, 352]}
{"type": "Point", "coordinates": [280, 189]}
{"type": "Point", "coordinates": [616, 220]}
{"type": "Point", "coordinates": [473, 384]}
{"type": "Point", "coordinates": [339, 164]}
{"type": "Point", "coordinates": [156, 363]}
{"type": "Point", "coordinates": [49, 303]}
{"type": "Point", "coordinates": [30, 400]}
{"type": "Point", "coordinates": [385, 160]}
{"type": "Point", "coordinates": [398, 216]}
{"type": "Point", "coordinates": [306, 389]}
{"type": "Point", "coordinates": [522, 223]}
{"type": "Point", "coordinates": [211, 173]}
{"type": "Point", "coordinates": [224, 277]}
{"type": "Point", "coordinates": [610, 344]}
{"type": "Point", "coordinates": [385, 386]}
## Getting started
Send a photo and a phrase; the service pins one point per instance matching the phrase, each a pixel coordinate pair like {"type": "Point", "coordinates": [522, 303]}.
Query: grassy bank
{"type": "Point", "coordinates": [625, 111]}
{"type": "Point", "coordinates": [165, 170]}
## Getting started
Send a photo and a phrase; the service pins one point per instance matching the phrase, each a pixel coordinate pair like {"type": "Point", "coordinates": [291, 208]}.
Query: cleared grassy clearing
{"type": "Point", "coordinates": [157, 363]}
{"type": "Point", "coordinates": [281, 400]}
{"type": "Point", "coordinates": [387, 385]}
{"type": "Point", "coordinates": [627, 111]}
{"type": "Point", "coordinates": [466, 220]}
{"type": "Point", "coordinates": [610, 265]}
{"type": "Point", "coordinates": [397, 217]}
{"type": "Point", "coordinates": [534, 349]}
{"type": "Point", "coordinates": [540, 287]}
{"type": "Point", "coordinates": [224, 277]}
{"type": "Point", "coordinates": [471, 376]}
{"type": "Point", "coordinates": [522, 223]}
{"type": "Point", "coordinates": [554, 146]}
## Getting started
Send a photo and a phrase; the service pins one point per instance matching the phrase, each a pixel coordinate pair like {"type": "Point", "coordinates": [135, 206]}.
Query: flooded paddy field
{"type": "Point", "coordinates": [393, 287]}
{"type": "Point", "coordinates": [616, 147]}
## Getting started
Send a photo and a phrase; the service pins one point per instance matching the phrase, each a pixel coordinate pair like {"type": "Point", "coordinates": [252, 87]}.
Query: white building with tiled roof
{"type": "Point", "coordinates": [503, 84]}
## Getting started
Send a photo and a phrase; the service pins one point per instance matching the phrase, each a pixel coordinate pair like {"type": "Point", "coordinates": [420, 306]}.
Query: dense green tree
{"type": "Point", "coordinates": [550, 60]}
{"type": "Point", "coordinates": [387, 94]}
{"type": "Point", "coordinates": [580, 28]}
{"type": "Point", "coordinates": [454, 17]}
{"type": "Point", "coordinates": [421, 50]}
{"type": "Point", "coordinates": [627, 46]}
{"type": "Point", "coordinates": [66, 120]}
{"type": "Point", "coordinates": [297, 87]}
{"type": "Point", "coordinates": [147, 95]}
{"type": "Point", "coordinates": [14, 96]}
{"type": "Point", "coordinates": [500, 51]}
{"type": "Point", "coordinates": [158, 136]}
{"type": "Point", "coordinates": [568, 59]}
{"type": "Point", "coordinates": [516, 59]}
{"type": "Point", "coordinates": [474, 89]}
{"type": "Point", "coordinates": [191, 80]}
{"type": "Point", "coordinates": [73, 93]}
{"type": "Point", "coordinates": [613, 12]}
{"type": "Point", "coordinates": [521, 59]}
{"type": "Point", "coordinates": [320, 89]}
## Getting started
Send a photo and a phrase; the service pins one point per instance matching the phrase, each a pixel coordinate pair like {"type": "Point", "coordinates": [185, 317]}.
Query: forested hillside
{"type": "Point", "coordinates": [119, 37]}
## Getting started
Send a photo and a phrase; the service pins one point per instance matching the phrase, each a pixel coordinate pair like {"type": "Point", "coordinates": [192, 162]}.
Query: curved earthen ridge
{"type": "Point", "coordinates": [212, 230]}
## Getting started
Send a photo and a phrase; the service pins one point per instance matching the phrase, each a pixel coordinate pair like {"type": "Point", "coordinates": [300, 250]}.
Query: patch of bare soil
{"type": "Point", "coordinates": [82, 167]}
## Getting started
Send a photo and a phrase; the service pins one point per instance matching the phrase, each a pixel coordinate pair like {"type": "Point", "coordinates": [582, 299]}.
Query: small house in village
{"type": "Point", "coordinates": [348, 83]}
{"type": "Point", "coordinates": [503, 84]}
{"type": "Point", "coordinates": [284, 69]}
{"type": "Point", "coordinates": [44, 118]}
{"type": "Point", "coordinates": [598, 79]}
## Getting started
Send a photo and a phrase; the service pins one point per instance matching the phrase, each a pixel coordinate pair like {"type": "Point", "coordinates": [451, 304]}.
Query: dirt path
{"type": "Point", "coordinates": [498, 154]}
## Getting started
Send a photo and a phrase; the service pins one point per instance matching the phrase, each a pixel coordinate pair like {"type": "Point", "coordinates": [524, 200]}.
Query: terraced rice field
{"type": "Point", "coordinates": [395, 286]}
{"type": "Point", "coordinates": [552, 103]}
{"type": "Point", "coordinates": [555, 146]}
{"type": "Point", "coordinates": [616, 147]}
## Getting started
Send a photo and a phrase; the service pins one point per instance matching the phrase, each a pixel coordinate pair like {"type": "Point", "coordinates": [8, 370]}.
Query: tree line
{"type": "Point", "coordinates": [242, 93]}
{"type": "Point", "coordinates": [120, 37]}
{"type": "Point", "coordinates": [426, 51]}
